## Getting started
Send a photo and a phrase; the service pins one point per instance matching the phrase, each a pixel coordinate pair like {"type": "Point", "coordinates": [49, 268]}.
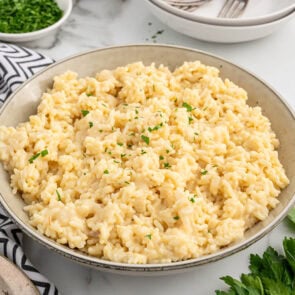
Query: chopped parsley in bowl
{"type": "Point", "coordinates": [27, 20]}
{"type": "Point", "coordinates": [24, 16]}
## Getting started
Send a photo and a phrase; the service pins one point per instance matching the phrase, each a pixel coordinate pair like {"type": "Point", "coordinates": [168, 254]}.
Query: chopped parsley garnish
{"type": "Point", "coordinates": [167, 165]}
{"type": "Point", "coordinates": [106, 171]}
{"type": "Point", "coordinates": [167, 151]}
{"type": "Point", "coordinates": [132, 134]}
{"type": "Point", "coordinates": [84, 113]}
{"type": "Point", "coordinates": [136, 118]}
{"type": "Point", "coordinates": [126, 182]}
{"type": "Point", "coordinates": [123, 155]}
{"type": "Point", "coordinates": [90, 124]}
{"type": "Point", "coordinates": [190, 120]}
{"type": "Point", "coordinates": [58, 195]}
{"type": "Point", "coordinates": [104, 105]}
{"type": "Point", "coordinates": [143, 152]}
{"type": "Point", "coordinates": [161, 158]}
{"type": "Point", "coordinates": [44, 153]}
{"type": "Point", "coordinates": [155, 128]}
{"type": "Point", "coordinates": [192, 199]}
{"type": "Point", "coordinates": [100, 130]}
{"type": "Point", "coordinates": [115, 161]}
{"type": "Point", "coordinates": [176, 217]}
{"type": "Point", "coordinates": [125, 104]}
{"type": "Point", "coordinates": [145, 139]}
{"type": "Point", "coordinates": [89, 94]}
{"type": "Point", "coordinates": [204, 172]}
{"type": "Point", "coordinates": [120, 143]}
{"type": "Point", "coordinates": [196, 133]}
{"type": "Point", "coordinates": [23, 16]}
{"type": "Point", "coordinates": [136, 112]}
{"type": "Point", "coordinates": [149, 236]}
{"type": "Point", "coordinates": [34, 157]}
{"type": "Point", "coordinates": [188, 107]}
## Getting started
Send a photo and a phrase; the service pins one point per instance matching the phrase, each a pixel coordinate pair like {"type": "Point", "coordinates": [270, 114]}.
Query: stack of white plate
{"type": "Point", "coordinates": [259, 19]}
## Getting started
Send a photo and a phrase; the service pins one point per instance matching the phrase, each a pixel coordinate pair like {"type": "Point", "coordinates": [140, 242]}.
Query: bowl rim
{"type": "Point", "coordinates": [106, 265]}
{"type": "Point", "coordinates": [54, 26]}
{"type": "Point", "coordinates": [224, 26]}
{"type": "Point", "coordinates": [249, 21]}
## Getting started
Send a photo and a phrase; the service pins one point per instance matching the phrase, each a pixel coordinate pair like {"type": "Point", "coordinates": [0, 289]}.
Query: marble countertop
{"type": "Point", "coordinates": [103, 23]}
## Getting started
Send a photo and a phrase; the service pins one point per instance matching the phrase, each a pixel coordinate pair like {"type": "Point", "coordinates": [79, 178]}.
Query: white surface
{"type": "Point", "coordinates": [216, 33]}
{"type": "Point", "coordinates": [65, 5]}
{"type": "Point", "coordinates": [112, 22]}
{"type": "Point", "coordinates": [256, 12]}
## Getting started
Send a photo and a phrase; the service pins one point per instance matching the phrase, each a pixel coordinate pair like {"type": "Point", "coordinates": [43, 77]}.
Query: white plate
{"type": "Point", "coordinates": [65, 5]}
{"type": "Point", "coordinates": [256, 12]}
{"type": "Point", "coordinates": [216, 33]}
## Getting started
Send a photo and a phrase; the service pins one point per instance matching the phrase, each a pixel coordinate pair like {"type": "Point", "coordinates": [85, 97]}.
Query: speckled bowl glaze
{"type": "Point", "coordinates": [23, 102]}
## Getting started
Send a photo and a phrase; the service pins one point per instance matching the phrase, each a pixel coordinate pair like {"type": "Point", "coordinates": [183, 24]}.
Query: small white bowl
{"type": "Point", "coordinates": [66, 7]}
{"type": "Point", "coordinates": [216, 33]}
{"type": "Point", "coordinates": [256, 13]}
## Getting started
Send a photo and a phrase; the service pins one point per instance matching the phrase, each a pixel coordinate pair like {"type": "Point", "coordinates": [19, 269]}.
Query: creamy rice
{"type": "Point", "coordinates": [145, 165]}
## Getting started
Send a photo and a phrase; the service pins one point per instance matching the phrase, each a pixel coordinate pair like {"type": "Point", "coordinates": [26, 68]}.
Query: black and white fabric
{"type": "Point", "coordinates": [16, 65]}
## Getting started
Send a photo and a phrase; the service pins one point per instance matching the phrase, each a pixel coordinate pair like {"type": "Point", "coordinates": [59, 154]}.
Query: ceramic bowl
{"type": "Point", "coordinates": [66, 7]}
{"type": "Point", "coordinates": [256, 13]}
{"type": "Point", "coordinates": [216, 33]}
{"type": "Point", "coordinates": [17, 109]}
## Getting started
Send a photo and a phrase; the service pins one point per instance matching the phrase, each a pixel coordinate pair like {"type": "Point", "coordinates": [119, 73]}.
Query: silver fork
{"type": "Point", "coordinates": [233, 8]}
{"type": "Point", "coordinates": [188, 5]}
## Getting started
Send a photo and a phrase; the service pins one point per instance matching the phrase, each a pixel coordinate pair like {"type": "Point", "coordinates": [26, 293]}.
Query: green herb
{"type": "Point", "coordinates": [196, 133]}
{"type": "Point", "coordinates": [23, 16]}
{"type": "Point", "coordinates": [143, 152]}
{"type": "Point", "coordinates": [120, 143]}
{"type": "Point", "coordinates": [145, 139]}
{"type": "Point", "coordinates": [84, 113]}
{"type": "Point", "coordinates": [167, 151]}
{"type": "Point", "coordinates": [125, 104]}
{"type": "Point", "coordinates": [204, 172]}
{"type": "Point", "coordinates": [188, 107]}
{"type": "Point", "coordinates": [106, 171]}
{"type": "Point", "coordinates": [89, 94]}
{"type": "Point", "coordinates": [104, 105]}
{"type": "Point", "coordinates": [271, 274]}
{"type": "Point", "coordinates": [44, 153]}
{"type": "Point", "coordinates": [123, 155]}
{"type": "Point", "coordinates": [190, 120]}
{"type": "Point", "coordinates": [192, 199]}
{"type": "Point", "coordinates": [136, 112]}
{"type": "Point", "coordinates": [115, 161]}
{"type": "Point", "coordinates": [100, 130]}
{"type": "Point", "coordinates": [161, 158]}
{"type": "Point", "coordinates": [136, 118]}
{"type": "Point", "coordinates": [90, 124]}
{"type": "Point", "coordinates": [176, 217]}
{"type": "Point", "coordinates": [149, 236]}
{"type": "Point", "coordinates": [58, 196]}
{"type": "Point", "coordinates": [291, 215]}
{"type": "Point", "coordinates": [132, 134]}
{"type": "Point", "coordinates": [126, 182]}
{"type": "Point", "coordinates": [157, 127]}
{"type": "Point", "coordinates": [167, 165]}
{"type": "Point", "coordinates": [34, 157]}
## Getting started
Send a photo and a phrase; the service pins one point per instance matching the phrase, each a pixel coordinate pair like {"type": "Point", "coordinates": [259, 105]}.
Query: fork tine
{"type": "Point", "coordinates": [225, 8]}
{"type": "Point", "coordinates": [186, 2]}
{"type": "Point", "coordinates": [239, 10]}
{"type": "Point", "coordinates": [232, 9]}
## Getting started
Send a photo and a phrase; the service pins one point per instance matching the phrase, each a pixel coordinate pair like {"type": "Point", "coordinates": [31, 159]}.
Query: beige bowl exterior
{"type": "Point", "coordinates": [23, 102]}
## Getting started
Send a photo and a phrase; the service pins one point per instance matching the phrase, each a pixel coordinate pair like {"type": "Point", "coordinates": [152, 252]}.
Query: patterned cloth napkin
{"type": "Point", "coordinates": [16, 65]}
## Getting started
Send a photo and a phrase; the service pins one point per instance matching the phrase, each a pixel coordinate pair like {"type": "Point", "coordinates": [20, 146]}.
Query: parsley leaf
{"type": "Point", "coordinates": [204, 172]}
{"type": "Point", "coordinates": [271, 274]}
{"type": "Point", "coordinates": [84, 113]}
{"type": "Point", "coordinates": [90, 124]}
{"type": "Point", "coordinates": [145, 139]}
{"type": "Point", "coordinates": [291, 215]}
{"type": "Point", "coordinates": [188, 107]}
{"type": "Point", "coordinates": [44, 153]}
{"type": "Point", "coordinates": [106, 171]}
{"type": "Point", "coordinates": [58, 195]}
{"type": "Point", "coordinates": [149, 236]}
